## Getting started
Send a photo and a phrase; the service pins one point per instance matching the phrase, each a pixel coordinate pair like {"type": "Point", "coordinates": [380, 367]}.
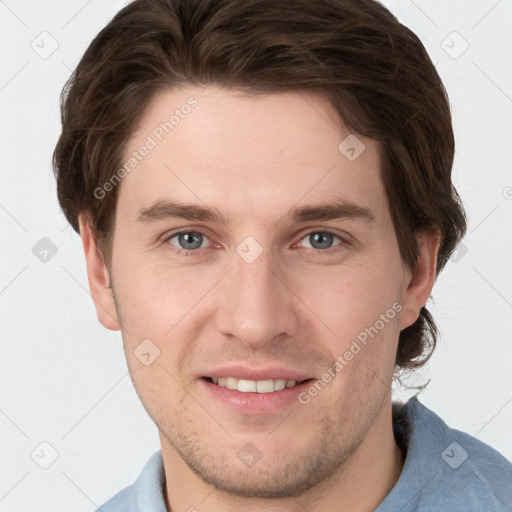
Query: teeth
{"type": "Point", "coordinates": [265, 386]}
{"type": "Point", "coordinates": [279, 384]}
{"type": "Point", "coordinates": [231, 383]}
{"type": "Point", "coordinates": [254, 386]}
{"type": "Point", "coordinates": [246, 386]}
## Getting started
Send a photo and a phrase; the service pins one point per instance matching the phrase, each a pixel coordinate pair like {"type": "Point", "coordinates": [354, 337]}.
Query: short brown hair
{"type": "Point", "coordinates": [374, 71]}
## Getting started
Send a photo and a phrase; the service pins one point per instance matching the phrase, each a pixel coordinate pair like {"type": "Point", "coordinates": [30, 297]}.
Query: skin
{"type": "Point", "coordinates": [296, 306]}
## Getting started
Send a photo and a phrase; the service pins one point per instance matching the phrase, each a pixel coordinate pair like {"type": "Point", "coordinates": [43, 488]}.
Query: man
{"type": "Point", "coordinates": [263, 190]}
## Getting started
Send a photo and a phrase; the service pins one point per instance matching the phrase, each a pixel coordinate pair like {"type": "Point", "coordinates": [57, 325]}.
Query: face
{"type": "Point", "coordinates": [253, 253]}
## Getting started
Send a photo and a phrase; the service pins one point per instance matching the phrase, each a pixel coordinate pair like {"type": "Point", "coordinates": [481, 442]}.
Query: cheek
{"type": "Point", "coordinates": [166, 307]}
{"type": "Point", "coordinates": [360, 304]}
{"type": "Point", "coordinates": [154, 297]}
{"type": "Point", "coordinates": [352, 297]}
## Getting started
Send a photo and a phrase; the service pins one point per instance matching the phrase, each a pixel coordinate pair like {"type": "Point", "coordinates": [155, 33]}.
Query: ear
{"type": "Point", "coordinates": [421, 279]}
{"type": "Point", "coordinates": [98, 275]}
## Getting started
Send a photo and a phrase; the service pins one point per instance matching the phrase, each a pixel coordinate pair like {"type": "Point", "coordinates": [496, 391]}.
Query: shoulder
{"type": "Point", "coordinates": [446, 469]}
{"type": "Point", "coordinates": [123, 501]}
{"type": "Point", "coordinates": [146, 494]}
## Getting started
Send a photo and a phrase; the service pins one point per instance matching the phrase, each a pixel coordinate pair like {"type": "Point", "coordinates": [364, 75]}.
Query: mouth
{"type": "Point", "coordinates": [254, 386]}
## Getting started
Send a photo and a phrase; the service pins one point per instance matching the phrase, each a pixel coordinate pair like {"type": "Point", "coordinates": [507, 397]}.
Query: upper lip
{"type": "Point", "coordinates": [248, 373]}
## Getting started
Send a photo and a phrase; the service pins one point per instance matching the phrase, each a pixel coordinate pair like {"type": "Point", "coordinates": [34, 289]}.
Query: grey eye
{"type": "Point", "coordinates": [189, 240]}
{"type": "Point", "coordinates": [319, 240]}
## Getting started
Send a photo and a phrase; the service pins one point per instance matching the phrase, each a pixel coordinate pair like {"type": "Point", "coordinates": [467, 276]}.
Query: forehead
{"type": "Point", "coordinates": [269, 151]}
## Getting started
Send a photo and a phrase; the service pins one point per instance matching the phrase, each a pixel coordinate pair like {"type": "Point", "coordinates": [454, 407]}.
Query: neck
{"type": "Point", "coordinates": [360, 485]}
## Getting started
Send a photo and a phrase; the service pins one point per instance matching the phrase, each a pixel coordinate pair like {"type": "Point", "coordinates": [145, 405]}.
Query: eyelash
{"type": "Point", "coordinates": [193, 252]}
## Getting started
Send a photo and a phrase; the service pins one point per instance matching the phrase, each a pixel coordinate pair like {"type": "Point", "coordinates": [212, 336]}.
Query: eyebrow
{"type": "Point", "coordinates": [163, 209]}
{"type": "Point", "coordinates": [331, 211]}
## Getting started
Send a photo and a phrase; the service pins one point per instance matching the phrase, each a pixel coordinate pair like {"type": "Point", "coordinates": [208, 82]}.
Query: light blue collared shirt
{"type": "Point", "coordinates": [445, 470]}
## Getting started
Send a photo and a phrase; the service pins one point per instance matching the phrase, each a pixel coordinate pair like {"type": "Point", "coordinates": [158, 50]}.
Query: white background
{"type": "Point", "coordinates": [63, 377]}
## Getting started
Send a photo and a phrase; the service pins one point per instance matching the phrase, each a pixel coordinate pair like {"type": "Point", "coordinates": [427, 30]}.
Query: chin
{"type": "Point", "coordinates": [269, 473]}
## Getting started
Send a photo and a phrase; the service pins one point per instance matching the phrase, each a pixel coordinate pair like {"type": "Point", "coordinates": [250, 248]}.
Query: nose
{"type": "Point", "coordinates": [256, 307]}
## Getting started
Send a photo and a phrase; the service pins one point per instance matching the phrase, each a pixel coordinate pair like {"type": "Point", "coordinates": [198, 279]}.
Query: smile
{"type": "Point", "coordinates": [253, 386]}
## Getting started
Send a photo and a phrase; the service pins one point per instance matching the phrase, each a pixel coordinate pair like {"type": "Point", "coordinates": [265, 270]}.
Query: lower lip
{"type": "Point", "coordinates": [255, 403]}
